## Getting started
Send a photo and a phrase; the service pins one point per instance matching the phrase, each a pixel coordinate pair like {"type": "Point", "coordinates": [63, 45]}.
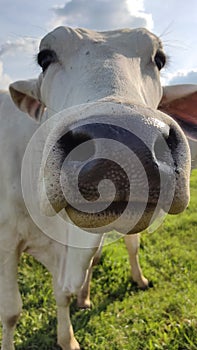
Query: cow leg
{"type": "Point", "coordinates": [10, 299]}
{"type": "Point", "coordinates": [83, 297]}
{"type": "Point", "coordinates": [132, 243]}
{"type": "Point", "coordinates": [65, 334]}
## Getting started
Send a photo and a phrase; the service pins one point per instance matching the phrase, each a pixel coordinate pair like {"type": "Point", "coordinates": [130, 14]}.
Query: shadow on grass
{"type": "Point", "coordinates": [46, 338]}
{"type": "Point", "coordinates": [43, 339]}
{"type": "Point", "coordinates": [112, 289]}
{"type": "Point", "coordinates": [81, 317]}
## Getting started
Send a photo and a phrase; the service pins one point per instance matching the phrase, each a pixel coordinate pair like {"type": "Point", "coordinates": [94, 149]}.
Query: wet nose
{"type": "Point", "coordinates": [130, 160]}
{"type": "Point", "coordinates": [111, 160]}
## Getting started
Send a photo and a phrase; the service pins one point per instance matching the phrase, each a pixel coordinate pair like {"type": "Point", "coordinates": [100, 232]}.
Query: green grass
{"type": "Point", "coordinates": [122, 317]}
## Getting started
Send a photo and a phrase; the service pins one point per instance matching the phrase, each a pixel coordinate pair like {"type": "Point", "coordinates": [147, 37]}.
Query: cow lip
{"type": "Point", "coordinates": [107, 217]}
{"type": "Point", "coordinates": [116, 207]}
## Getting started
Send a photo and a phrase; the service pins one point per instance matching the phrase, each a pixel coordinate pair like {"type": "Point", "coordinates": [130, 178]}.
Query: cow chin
{"type": "Point", "coordinates": [131, 221]}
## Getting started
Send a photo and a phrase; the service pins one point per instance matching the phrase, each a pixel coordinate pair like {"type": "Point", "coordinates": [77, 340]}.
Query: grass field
{"type": "Point", "coordinates": [122, 317]}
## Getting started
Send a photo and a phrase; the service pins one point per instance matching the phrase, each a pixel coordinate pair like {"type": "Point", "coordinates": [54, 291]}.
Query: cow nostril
{"type": "Point", "coordinates": [77, 146]}
{"type": "Point", "coordinates": [172, 140]}
{"type": "Point", "coordinates": [165, 147]}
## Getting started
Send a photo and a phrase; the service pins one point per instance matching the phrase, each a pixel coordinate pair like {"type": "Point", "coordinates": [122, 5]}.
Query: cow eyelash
{"type": "Point", "coordinates": [45, 58]}
{"type": "Point", "coordinates": [160, 59]}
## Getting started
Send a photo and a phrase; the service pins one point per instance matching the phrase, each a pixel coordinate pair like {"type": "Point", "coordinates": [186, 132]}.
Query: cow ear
{"type": "Point", "coordinates": [180, 102]}
{"type": "Point", "coordinates": [25, 95]}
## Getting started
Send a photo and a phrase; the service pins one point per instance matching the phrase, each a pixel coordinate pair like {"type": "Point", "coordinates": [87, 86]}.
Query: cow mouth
{"type": "Point", "coordinates": [133, 220]}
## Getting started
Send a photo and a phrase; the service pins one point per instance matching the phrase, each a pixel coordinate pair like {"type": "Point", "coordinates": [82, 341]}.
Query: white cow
{"type": "Point", "coordinates": [88, 75]}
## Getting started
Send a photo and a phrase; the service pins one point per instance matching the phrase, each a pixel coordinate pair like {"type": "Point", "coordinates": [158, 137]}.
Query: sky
{"type": "Point", "coordinates": [23, 23]}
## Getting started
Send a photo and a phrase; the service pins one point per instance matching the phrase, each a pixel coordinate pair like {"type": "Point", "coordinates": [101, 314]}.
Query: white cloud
{"type": "Point", "coordinates": [102, 14]}
{"type": "Point", "coordinates": [17, 60]}
{"type": "Point", "coordinates": [183, 77]}
{"type": "Point", "coordinates": [22, 44]}
{"type": "Point", "coordinates": [137, 9]}
{"type": "Point", "coordinates": [5, 80]}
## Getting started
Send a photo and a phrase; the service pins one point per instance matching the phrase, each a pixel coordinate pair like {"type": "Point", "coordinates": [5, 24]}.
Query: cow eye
{"type": "Point", "coordinates": [160, 59]}
{"type": "Point", "coordinates": [45, 58]}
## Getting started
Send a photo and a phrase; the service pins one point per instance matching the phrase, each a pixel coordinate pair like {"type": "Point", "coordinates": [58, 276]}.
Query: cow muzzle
{"type": "Point", "coordinates": [116, 168]}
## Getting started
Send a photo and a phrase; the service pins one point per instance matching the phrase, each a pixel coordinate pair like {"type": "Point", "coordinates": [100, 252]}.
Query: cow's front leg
{"type": "Point", "coordinates": [65, 334]}
{"type": "Point", "coordinates": [132, 243]}
{"type": "Point", "coordinates": [10, 299]}
{"type": "Point", "coordinates": [83, 296]}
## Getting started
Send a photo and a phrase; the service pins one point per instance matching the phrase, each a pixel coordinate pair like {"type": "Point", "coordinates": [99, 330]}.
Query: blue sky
{"type": "Point", "coordinates": [24, 23]}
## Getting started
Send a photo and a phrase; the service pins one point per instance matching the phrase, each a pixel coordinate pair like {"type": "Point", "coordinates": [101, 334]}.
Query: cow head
{"type": "Point", "coordinates": [110, 151]}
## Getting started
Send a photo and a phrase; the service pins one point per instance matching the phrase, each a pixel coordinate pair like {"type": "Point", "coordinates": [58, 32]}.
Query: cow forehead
{"type": "Point", "coordinates": [130, 42]}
